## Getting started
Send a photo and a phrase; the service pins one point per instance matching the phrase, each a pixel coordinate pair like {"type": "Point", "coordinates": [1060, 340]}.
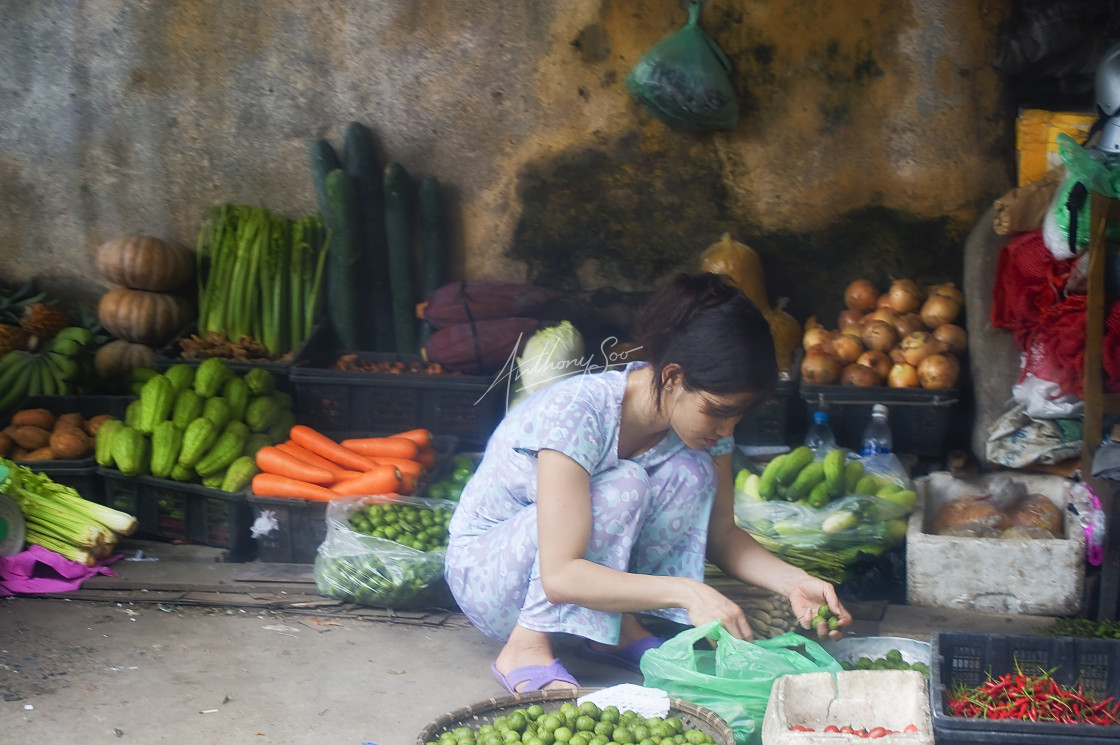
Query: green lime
{"type": "Point", "coordinates": [622, 736]}
{"type": "Point", "coordinates": [604, 728]}
{"type": "Point", "coordinates": [585, 722]}
{"type": "Point", "coordinates": [562, 734]}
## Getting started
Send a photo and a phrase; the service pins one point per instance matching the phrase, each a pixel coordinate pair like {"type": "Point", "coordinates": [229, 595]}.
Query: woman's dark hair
{"type": "Point", "coordinates": [713, 331]}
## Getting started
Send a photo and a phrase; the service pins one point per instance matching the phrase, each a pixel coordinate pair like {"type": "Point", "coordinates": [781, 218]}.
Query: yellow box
{"type": "Point", "coordinates": [1036, 139]}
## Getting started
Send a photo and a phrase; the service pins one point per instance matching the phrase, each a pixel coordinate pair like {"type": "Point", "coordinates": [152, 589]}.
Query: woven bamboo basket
{"type": "Point", "coordinates": [485, 712]}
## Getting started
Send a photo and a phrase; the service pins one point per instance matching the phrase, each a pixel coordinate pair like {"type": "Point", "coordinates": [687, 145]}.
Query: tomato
{"type": "Point", "coordinates": [910, 729]}
{"type": "Point", "coordinates": [800, 728]}
{"type": "Point", "coordinates": [877, 732]}
{"type": "Point", "coordinates": [832, 728]}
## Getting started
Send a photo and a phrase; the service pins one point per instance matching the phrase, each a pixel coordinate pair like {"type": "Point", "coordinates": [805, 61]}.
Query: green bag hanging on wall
{"type": "Point", "coordinates": [735, 678]}
{"type": "Point", "coordinates": [683, 80]}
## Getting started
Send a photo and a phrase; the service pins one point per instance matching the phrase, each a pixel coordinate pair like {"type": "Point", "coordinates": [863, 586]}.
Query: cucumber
{"type": "Point", "coordinates": [361, 164]}
{"type": "Point", "coordinates": [398, 233]}
{"type": "Point", "coordinates": [324, 159]}
{"type": "Point", "coordinates": [343, 258]}
{"type": "Point", "coordinates": [433, 243]}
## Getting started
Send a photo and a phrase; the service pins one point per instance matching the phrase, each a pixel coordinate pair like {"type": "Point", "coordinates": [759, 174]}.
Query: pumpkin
{"type": "Point", "coordinates": [116, 359]}
{"type": "Point", "coordinates": [141, 262]}
{"type": "Point", "coordinates": [741, 264]}
{"type": "Point", "coordinates": [143, 317]}
{"type": "Point", "coordinates": [786, 332]}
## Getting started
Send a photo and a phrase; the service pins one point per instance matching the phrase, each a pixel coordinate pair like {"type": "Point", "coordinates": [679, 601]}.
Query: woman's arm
{"type": "Point", "coordinates": [733, 550]}
{"type": "Point", "coordinates": [564, 530]}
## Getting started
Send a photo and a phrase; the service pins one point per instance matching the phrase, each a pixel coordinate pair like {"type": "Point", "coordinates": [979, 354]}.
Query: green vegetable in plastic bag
{"type": "Point", "coordinates": [734, 679]}
{"type": "Point", "coordinates": [683, 80]}
{"type": "Point", "coordinates": [1087, 173]}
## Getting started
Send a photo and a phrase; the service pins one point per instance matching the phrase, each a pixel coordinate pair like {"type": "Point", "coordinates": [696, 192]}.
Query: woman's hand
{"type": "Point", "coordinates": [808, 596]}
{"type": "Point", "coordinates": [710, 605]}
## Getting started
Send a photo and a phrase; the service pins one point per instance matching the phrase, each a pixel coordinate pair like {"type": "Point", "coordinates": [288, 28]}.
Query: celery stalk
{"type": "Point", "coordinates": [60, 547]}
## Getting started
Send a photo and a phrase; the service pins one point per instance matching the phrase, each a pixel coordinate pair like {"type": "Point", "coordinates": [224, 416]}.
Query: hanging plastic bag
{"type": "Point", "coordinates": [378, 572]}
{"type": "Point", "coordinates": [683, 81]}
{"type": "Point", "coordinates": [735, 678]}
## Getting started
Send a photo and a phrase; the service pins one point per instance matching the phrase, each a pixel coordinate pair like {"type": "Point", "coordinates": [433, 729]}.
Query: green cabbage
{"type": "Point", "coordinates": [551, 354]}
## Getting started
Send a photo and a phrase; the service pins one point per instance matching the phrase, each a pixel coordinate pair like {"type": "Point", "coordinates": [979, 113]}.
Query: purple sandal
{"type": "Point", "coordinates": [535, 677]}
{"type": "Point", "coordinates": [628, 657]}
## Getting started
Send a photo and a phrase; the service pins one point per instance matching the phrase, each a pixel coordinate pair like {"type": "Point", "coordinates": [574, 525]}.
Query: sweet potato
{"type": "Point", "coordinates": [70, 442]}
{"type": "Point", "coordinates": [30, 437]}
{"type": "Point", "coordinates": [6, 445]}
{"type": "Point", "coordinates": [39, 454]}
{"type": "Point", "coordinates": [72, 419]}
{"type": "Point", "coordinates": [34, 417]}
{"type": "Point", "coordinates": [93, 424]}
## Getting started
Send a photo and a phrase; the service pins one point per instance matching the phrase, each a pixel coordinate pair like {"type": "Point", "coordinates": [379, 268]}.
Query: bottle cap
{"type": "Point", "coordinates": [820, 417]}
{"type": "Point", "coordinates": [879, 409]}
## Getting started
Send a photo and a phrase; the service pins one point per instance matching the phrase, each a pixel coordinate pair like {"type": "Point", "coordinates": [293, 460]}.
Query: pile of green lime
{"type": "Point", "coordinates": [409, 525]}
{"type": "Point", "coordinates": [462, 468]}
{"type": "Point", "coordinates": [585, 724]}
{"type": "Point", "coordinates": [892, 661]}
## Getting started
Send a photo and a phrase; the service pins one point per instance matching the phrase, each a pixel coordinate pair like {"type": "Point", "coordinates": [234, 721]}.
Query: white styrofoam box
{"type": "Point", "coordinates": [1042, 577]}
{"type": "Point", "coordinates": [861, 699]}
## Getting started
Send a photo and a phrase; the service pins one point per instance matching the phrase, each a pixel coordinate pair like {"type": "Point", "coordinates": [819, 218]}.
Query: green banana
{"type": "Point", "coordinates": [65, 368]}
{"type": "Point", "coordinates": [65, 347]}
{"type": "Point", "coordinates": [48, 385]}
{"type": "Point", "coordinates": [34, 380]}
{"type": "Point", "coordinates": [79, 334]}
{"type": "Point", "coordinates": [14, 384]}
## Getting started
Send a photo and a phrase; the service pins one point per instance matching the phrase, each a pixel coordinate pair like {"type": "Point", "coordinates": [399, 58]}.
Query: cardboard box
{"type": "Point", "coordinates": [861, 699]}
{"type": "Point", "coordinates": [1036, 139]}
{"type": "Point", "coordinates": [993, 575]}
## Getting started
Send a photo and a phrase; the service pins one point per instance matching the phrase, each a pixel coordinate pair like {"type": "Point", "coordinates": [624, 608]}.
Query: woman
{"type": "Point", "coordinates": [603, 494]}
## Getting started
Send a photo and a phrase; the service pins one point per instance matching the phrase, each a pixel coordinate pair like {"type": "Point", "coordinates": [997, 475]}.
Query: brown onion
{"type": "Point", "coordinates": [847, 347]}
{"type": "Point", "coordinates": [819, 368]}
{"type": "Point", "coordinates": [861, 295]}
{"type": "Point", "coordinates": [953, 337]}
{"type": "Point", "coordinates": [897, 357]}
{"type": "Point", "coordinates": [908, 323]}
{"type": "Point", "coordinates": [939, 372]}
{"type": "Point", "coordinates": [882, 314]}
{"type": "Point", "coordinates": [879, 335]}
{"type": "Point", "coordinates": [877, 361]}
{"type": "Point", "coordinates": [939, 310]}
{"type": "Point", "coordinates": [905, 295]}
{"type": "Point", "coordinates": [861, 375]}
{"type": "Point", "coordinates": [903, 375]}
{"type": "Point", "coordinates": [817, 336]}
{"type": "Point", "coordinates": [948, 290]}
{"type": "Point", "coordinates": [919, 345]}
{"type": "Point", "coordinates": [848, 318]}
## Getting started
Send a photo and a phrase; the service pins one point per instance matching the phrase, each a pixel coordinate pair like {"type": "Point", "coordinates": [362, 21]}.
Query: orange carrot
{"type": "Point", "coordinates": [325, 447]}
{"type": "Point", "coordinates": [422, 437]}
{"type": "Point", "coordinates": [274, 460]}
{"type": "Point", "coordinates": [426, 457]}
{"type": "Point", "coordinates": [389, 447]}
{"type": "Point", "coordinates": [406, 465]}
{"type": "Point", "coordinates": [378, 480]}
{"type": "Point", "coordinates": [273, 485]}
{"type": "Point", "coordinates": [409, 483]}
{"type": "Point", "coordinates": [307, 456]}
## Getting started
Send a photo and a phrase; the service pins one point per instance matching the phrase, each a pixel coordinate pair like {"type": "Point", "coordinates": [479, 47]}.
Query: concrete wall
{"type": "Point", "coordinates": [872, 132]}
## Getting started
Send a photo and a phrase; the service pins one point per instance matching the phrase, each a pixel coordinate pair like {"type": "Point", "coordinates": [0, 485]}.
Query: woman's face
{"type": "Point", "coordinates": [702, 419]}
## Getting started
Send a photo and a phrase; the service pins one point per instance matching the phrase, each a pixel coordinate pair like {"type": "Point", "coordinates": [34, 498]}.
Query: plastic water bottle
{"type": "Point", "coordinates": [820, 438]}
{"type": "Point", "coordinates": [877, 434]}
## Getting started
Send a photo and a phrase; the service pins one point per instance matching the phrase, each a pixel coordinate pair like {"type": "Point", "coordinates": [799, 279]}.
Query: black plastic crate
{"type": "Point", "coordinates": [289, 531]}
{"type": "Point", "coordinates": [968, 659]}
{"type": "Point", "coordinates": [468, 407]}
{"type": "Point", "coordinates": [919, 419]}
{"type": "Point", "coordinates": [175, 511]}
{"type": "Point", "coordinates": [781, 420]}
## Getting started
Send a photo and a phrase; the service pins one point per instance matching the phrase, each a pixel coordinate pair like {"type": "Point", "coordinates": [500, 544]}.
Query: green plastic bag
{"type": "Point", "coordinates": [735, 678]}
{"type": "Point", "coordinates": [683, 80]}
{"type": "Point", "coordinates": [1089, 173]}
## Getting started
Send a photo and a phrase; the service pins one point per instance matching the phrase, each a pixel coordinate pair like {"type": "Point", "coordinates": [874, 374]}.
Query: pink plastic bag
{"type": "Point", "coordinates": [38, 570]}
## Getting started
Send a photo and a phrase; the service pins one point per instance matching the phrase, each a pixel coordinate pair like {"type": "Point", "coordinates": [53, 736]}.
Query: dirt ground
{"type": "Point", "coordinates": [150, 672]}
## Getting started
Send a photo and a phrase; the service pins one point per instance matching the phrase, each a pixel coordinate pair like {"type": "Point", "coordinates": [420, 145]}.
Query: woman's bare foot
{"type": "Point", "coordinates": [525, 647]}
